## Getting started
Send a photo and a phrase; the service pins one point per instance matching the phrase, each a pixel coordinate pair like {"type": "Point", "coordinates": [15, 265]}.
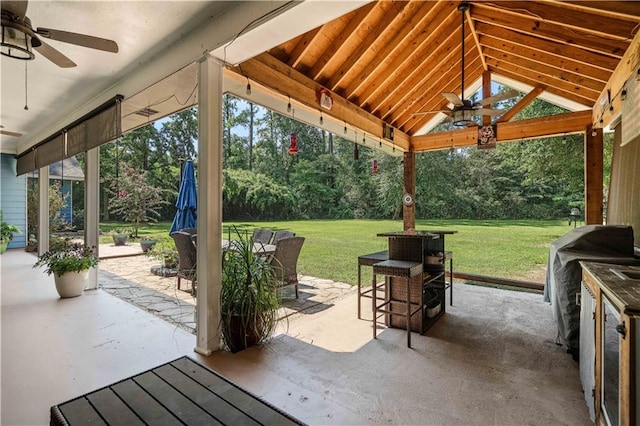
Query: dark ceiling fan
{"type": "Point", "coordinates": [19, 37]}
{"type": "Point", "coordinates": [463, 110]}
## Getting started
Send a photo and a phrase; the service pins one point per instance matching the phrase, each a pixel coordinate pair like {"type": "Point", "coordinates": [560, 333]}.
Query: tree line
{"type": "Point", "coordinates": [328, 178]}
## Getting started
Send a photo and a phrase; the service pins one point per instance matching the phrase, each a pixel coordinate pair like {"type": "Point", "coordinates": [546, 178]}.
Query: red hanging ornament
{"type": "Point", "coordinates": [374, 167]}
{"type": "Point", "coordinates": [293, 143]}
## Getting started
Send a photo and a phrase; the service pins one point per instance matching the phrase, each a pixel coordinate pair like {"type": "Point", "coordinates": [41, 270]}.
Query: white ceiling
{"type": "Point", "coordinates": [155, 39]}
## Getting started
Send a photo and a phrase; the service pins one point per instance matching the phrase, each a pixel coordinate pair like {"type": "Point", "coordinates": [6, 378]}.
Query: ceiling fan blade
{"type": "Point", "coordinates": [54, 55]}
{"type": "Point", "coordinates": [497, 98]}
{"type": "Point", "coordinates": [453, 98]}
{"type": "Point", "coordinates": [8, 133]}
{"type": "Point", "coordinates": [17, 8]}
{"type": "Point", "coordinates": [488, 111]}
{"type": "Point", "coordinates": [79, 39]}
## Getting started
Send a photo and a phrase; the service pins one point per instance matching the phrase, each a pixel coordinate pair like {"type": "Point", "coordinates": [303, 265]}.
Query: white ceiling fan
{"type": "Point", "coordinates": [464, 110]}
{"type": "Point", "coordinates": [18, 37]}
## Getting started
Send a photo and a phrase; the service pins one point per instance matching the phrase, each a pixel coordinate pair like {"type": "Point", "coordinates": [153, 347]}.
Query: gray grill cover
{"type": "Point", "coordinates": [596, 243]}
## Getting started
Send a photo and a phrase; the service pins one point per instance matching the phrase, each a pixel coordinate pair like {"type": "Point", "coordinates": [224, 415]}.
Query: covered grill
{"type": "Point", "coordinates": [597, 243]}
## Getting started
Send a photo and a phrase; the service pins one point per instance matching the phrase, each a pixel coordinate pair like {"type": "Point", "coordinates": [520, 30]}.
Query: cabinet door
{"type": "Point", "coordinates": [610, 364]}
{"type": "Point", "coordinates": [588, 348]}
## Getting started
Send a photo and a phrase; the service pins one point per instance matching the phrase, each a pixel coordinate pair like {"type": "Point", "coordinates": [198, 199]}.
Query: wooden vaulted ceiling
{"type": "Point", "coordinates": [391, 59]}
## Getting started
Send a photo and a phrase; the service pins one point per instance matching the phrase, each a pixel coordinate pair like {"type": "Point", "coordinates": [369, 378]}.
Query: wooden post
{"type": "Point", "coordinates": [593, 176]}
{"type": "Point", "coordinates": [409, 187]}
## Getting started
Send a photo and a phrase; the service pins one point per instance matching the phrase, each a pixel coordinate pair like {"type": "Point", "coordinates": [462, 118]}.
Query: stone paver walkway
{"type": "Point", "coordinates": [130, 279]}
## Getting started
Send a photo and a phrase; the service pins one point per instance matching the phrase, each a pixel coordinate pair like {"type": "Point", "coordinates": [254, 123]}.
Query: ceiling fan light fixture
{"type": "Point", "coordinates": [15, 42]}
{"type": "Point", "coordinates": [462, 117]}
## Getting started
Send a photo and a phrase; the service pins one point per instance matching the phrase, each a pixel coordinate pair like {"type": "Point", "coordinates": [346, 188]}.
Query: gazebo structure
{"type": "Point", "coordinates": [376, 69]}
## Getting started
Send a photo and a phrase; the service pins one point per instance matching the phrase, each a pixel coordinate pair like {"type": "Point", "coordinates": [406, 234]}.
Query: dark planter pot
{"type": "Point", "coordinates": [238, 338]}
{"type": "Point", "coordinates": [119, 240]}
{"type": "Point", "coordinates": [147, 244]}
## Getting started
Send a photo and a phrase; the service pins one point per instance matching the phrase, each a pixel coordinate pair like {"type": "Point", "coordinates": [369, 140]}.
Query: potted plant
{"type": "Point", "coordinates": [249, 299]}
{"type": "Point", "coordinates": [119, 236]}
{"type": "Point", "coordinates": [70, 268]}
{"type": "Point", "coordinates": [6, 233]}
{"type": "Point", "coordinates": [147, 242]}
{"type": "Point", "coordinates": [166, 252]}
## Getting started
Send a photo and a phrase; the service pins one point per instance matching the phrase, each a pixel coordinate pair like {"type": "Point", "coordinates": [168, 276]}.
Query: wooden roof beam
{"type": "Point", "coordinates": [391, 14]}
{"type": "Point", "coordinates": [609, 104]}
{"type": "Point", "coordinates": [551, 71]}
{"type": "Point", "coordinates": [616, 9]}
{"type": "Point", "coordinates": [303, 46]}
{"type": "Point", "coordinates": [548, 50]}
{"type": "Point", "coordinates": [389, 48]}
{"type": "Point", "coordinates": [421, 77]}
{"type": "Point", "coordinates": [556, 14]}
{"type": "Point", "coordinates": [565, 37]}
{"type": "Point", "coordinates": [565, 63]}
{"type": "Point", "coordinates": [434, 33]}
{"type": "Point", "coordinates": [358, 19]}
{"type": "Point", "coordinates": [576, 93]}
{"type": "Point", "coordinates": [475, 38]}
{"type": "Point", "coordinates": [560, 124]}
{"type": "Point", "coordinates": [521, 104]}
{"type": "Point", "coordinates": [271, 73]}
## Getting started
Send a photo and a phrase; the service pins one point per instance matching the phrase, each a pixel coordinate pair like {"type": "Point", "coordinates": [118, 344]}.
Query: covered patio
{"type": "Point", "coordinates": [491, 360]}
{"type": "Point", "coordinates": [360, 69]}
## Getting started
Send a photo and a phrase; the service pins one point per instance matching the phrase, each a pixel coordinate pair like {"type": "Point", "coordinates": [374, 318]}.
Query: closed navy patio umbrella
{"type": "Point", "coordinates": [187, 201]}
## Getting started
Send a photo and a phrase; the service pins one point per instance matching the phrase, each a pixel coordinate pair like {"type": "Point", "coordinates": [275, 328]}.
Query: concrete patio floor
{"type": "Point", "coordinates": [491, 360]}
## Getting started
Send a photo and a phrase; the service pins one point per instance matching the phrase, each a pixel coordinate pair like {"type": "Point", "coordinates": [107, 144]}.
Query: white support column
{"type": "Point", "coordinates": [43, 212]}
{"type": "Point", "coordinates": [92, 208]}
{"type": "Point", "coordinates": [209, 205]}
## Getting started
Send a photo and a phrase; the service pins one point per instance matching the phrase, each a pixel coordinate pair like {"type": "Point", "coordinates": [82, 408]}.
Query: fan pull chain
{"type": "Point", "coordinates": [26, 107]}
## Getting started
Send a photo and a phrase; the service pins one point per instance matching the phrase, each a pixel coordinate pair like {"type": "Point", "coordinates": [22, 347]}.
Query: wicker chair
{"type": "Point", "coordinates": [262, 236]}
{"type": "Point", "coordinates": [285, 260]}
{"type": "Point", "coordinates": [281, 235]}
{"type": "Point", "coordinates": [187, 256]}
{"type": "Point", "coordinates": [189, 231]}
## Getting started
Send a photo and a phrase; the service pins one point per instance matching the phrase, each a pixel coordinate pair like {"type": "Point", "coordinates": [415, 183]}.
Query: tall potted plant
{"type": "Point", "coordinates": [249, 299]}
{"type": "Point", "coordinates": [70, 268]}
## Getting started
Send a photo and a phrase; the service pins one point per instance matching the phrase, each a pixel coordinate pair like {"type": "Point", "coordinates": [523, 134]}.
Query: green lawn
{"type": "Point", "coordinates": [515, 249]}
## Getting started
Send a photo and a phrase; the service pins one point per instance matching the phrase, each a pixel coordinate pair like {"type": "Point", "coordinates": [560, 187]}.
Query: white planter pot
{"type": "Point", "coordinates": [71, 284]}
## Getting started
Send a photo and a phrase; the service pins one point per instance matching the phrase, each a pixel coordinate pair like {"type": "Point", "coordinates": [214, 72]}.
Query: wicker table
{"type": "Point", "coordinates": [178, 392]}
{"type": "Point", "coordinates": [426, 290]}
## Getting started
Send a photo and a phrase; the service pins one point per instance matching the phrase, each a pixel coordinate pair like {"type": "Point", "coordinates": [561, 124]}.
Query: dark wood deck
{"type": "Point", "coordinates": [178, 392]}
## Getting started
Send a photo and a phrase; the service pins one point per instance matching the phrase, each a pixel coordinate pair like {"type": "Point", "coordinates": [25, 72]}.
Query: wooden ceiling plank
{"type": "Point", "coordinates": [570, 95]}
{"type": "Point", "coordinates": [556, 14]}
{"type": "Point", "coordinates": [392, 12]}
{"type": "Point", "coordinates": [413, 123]}
{"type": "Point", "coordinates": [521, 104]}
{"type": "Point", "coordinates": [604, 112]}
{"type": "Point", "coordinates": [543, 68]}
{"type": "Point", "coordinates": [303, 47]}
{"type": "Point", "coordinates": [588, 96]}
{"type": "Point", "coordinates": [436, 30]}
{"type": "Point", "coordinates": [443, 40]}
{"type": "Point", "coordinates": [539, 57]}
{"type": "Point", "coordinates": [360, 18]}
{"type": "Point", "coordinates": [611, 50]}
{"type": "Point", "coordinates": [389, 47]}
{"type": "Point", "coordinates": [475, 38]}
{"type": "Point", "coordinates": [560, 124]}
{"type": "Point", "coordinates": [427, 95]}
{"type": "Point", "coordinates": [616, 9]}
{"type": "Point", "coordinates": [422, 77]}
{"type": "Point", "coordinates": [275, 75]}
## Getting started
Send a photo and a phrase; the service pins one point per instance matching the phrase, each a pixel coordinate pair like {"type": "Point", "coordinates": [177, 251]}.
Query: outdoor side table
{"type": "Point", "coordinates": [178, 392]}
